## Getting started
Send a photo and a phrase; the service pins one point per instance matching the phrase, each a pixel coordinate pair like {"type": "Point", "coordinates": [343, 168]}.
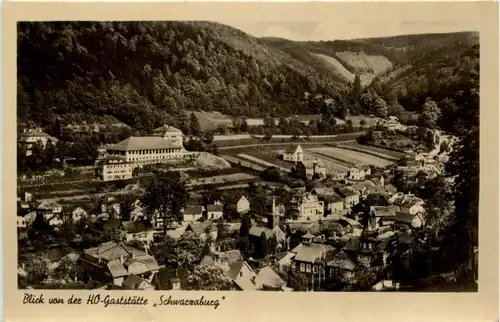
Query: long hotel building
{"type": "Point", "coordinates": [163, 146]}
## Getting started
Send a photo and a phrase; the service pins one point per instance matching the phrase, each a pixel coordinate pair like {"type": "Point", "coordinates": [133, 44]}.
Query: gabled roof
{"type": "Point", "coordinates": [234, 269]}
{"type": "Point", "coordinates": [292, 148]}
{"type": "Point", "coordinates": [268, 277]}
{"type": "Point", "coordinates": [111, 251]}
{"type": "Point", "coordinates": [167, 129]}
{"type": "Point", "coordinates": [257, 231]}
{"type": "Point", "coordinates": [215, 208]}
{"type": "Point", "coordinates": [48, 205]}
{"type": "Point", "coordinates": [346, 192]}
{"type": "Point", "coordinates": [135, 226]}
{"type": "Point", "coordinates": [384, 211]}
{"type": "Point", "coordinates": [133, 282]}
{"type": "Point", "coordinates": [312, 252]}
{"type": "Point", "coordinates": [342, 260]}
{"type": "Point", "coordinates": [134, 143]}
{"type": "Point", "coordinates": [190, 210]}
{"type": "Point", "coordinates": [404, 217]}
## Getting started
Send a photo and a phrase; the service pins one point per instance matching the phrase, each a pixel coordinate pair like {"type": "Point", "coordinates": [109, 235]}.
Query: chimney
{"type": "Point", "coordinates": [133, 254]}
{"type": "Point", "coordinates": [121, 259]}
{"type": "Point", "coordinates": [274, 205]}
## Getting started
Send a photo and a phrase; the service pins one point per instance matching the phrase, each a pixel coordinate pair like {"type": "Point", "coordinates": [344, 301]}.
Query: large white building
{"type": "Point", "coordinates": [30, 137]}
{"type": "Point", "coordinates": [163, 146]}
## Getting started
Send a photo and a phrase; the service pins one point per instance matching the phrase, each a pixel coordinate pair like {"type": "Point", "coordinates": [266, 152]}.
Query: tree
{"type": "Point", "coordinates": [164, 197]}
{"type": "Point", "coordinates": [262, 249]}
{"type": "Point", "coordinates": [430, 113]}
{"type": "Point", "coordinates": [380, 107]}
{"type": "Point", "coordinates": [209, 278]}
{"type": "Point", "coordinates": [299, 281]}
{"type": "Point", "coordinates": [184, 252]}
{"type": "Point", "coordinates": [208, 137]}
{"type": "Point", "coordinates": [356, 89]}
{"type": "Point", "coordinates": [246, 223]}
{"type": "Point", "coordinates": [194, 125]}
{"type": "Point", "coordinates": [37, 269]}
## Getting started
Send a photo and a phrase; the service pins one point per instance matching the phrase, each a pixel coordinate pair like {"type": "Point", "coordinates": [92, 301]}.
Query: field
{"type": "Point", "coordinates": [222, 179]}
{"type": "Point", "coordinates": [351, 157]}
{"type": "Point", "coordinates": [375, 151]}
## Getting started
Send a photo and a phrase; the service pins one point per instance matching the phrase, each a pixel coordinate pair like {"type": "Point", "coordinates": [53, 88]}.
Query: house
{"type": "Point", "coordinates": [49, 208]}
{"type": "Point", "coordinates": [30, 137]}
{"type": "Point", "coordinates": [78, 214]}
{"type": "Point", "coordinates": [408, 221]}
{"type": "Point", "coordinates": [256, 231]}
{"type": "Point", "coordinates": [386, 190]}
{"type": "Point", "coordinates": [139, 230]}
{"type": "Point", "coordinates": [116, 262]}
{"type": "Point", "coordinates": [412, 207]}
{"type": "Point", "coordinates": [359, 172]}
{"type": "Point", "coordinates": [310, 169]}
{"type": "Point", "coordinates": [310, 259]}
{"type": "Point", "coordinates": [350, 196]}
{"type": "Point", "coordinates": [134, 282]}
{"type": "Point", "coordinates": [243, 276]}
{"type": "Point", "coordinates": [114, 167]}
{"type": "Point", "coordinates": [383, 216]}
{"type": "Point", "coordinates": [201, 229]}
{"type": "Point", "coordinates": [364, 187]}
{"type": "Point", "coordinates": [342, 264]}
{"type": "Point", "coordinates": [214, 211]}
{"type": "Point", "coordinates": [337, 174]}
{"type": "Point", "coordinates": [283, 260]}
{"type": "Point", "coordinates": [365, 249]}
{"type": "Point", "coordinates": [294, 153]}
{"type": "Point", "coordinates": [109, 208]}
{"type": "Point", "coordinates": [334, 203]}
{"type": "Point", "coordinates": [219, 258]}
{"type": "Point", "coordinates": [270, 280]}
{"type": "Point", "coordinates": [242, 204]}
{"type": "Point", "coordinates": [192, 213]}
{"type": "Point", "coordinates": [385, 285]}
{"type": "Point", "coordinates": [308, 206]}
{"type": "Point", "coordinates": [170, 134]}
{"type": "Point", "coordinates": [378, 181]}
{"type": "Point", "coordinates": [21, 222]}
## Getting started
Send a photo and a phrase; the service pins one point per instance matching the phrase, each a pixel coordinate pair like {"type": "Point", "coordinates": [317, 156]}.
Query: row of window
{"type": "Point", "coordinates": [305, 268]}
{"type": "Point", "coordinates": [160, 151]}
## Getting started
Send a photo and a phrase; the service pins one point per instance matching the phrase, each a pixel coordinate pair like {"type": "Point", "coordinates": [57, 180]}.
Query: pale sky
{"type": "Point", "coordinates": [311, 30]}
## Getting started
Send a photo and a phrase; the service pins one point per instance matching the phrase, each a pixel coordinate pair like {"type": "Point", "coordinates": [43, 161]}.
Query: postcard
{"type": "Point", "coordinates": [253, 161]}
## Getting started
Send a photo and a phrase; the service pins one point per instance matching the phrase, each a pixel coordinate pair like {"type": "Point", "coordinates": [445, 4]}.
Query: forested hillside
{"type": "Point", "coordinates": [143, 73]}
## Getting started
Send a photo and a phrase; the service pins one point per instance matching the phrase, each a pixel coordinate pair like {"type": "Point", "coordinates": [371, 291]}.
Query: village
{"type": "Point", "coordinates": [284, 216]}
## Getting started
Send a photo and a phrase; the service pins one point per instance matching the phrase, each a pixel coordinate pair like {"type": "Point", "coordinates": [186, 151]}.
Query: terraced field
{"type": "Point", "coordinates": [351, 157]}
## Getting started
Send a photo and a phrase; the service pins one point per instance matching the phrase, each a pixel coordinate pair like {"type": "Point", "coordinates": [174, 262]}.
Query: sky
{"type": "Point", "coordinates": [316, 31]}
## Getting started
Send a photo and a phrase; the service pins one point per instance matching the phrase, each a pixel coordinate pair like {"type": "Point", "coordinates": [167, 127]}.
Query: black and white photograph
{"type": "Point", "coordinates": [279, 156]}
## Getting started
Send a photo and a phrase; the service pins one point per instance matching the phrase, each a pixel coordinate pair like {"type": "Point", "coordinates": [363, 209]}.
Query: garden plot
{"type": "Point", "coordinates": [330, 165]}
{"type": "Point", "coordinates": [377, 152]}
{"type": "Point", "coordinates": [228, 178]}
{"type": "Point", "coordinates": [352, 157]}
{"type": "Point", "coordinates": [261, 162]}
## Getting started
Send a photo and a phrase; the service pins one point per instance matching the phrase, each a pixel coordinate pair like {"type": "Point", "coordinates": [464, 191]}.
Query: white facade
{"type": "Point", "coordinates": [310, 208]}
{"type": "Point", "coordinates": [294, 154]}
{"type": "Point", "coordinates": [116, 169]}
{"type": "Point", "coordinates": [21, 222]}
{"type": "Point", "coordinates": [243, 205]}
{"type": "Point", "coordinates": [413, 209]}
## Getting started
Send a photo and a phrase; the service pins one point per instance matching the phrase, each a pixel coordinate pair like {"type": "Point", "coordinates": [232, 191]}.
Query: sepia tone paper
{"type": "Point", "coordinates": [382, 19]}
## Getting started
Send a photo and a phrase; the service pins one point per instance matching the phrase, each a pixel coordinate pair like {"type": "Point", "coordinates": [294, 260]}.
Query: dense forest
{"type": "Point", "coordinates": [144, 74]}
